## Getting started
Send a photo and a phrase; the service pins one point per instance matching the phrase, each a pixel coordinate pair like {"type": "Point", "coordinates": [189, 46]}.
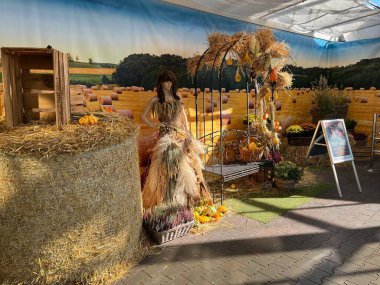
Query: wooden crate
{"type": "Point", "coordinates": [36, 85]}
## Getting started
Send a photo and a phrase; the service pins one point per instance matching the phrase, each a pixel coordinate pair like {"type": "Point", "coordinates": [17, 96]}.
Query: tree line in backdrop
{"type": "Point", "coordinates": [143, 69]}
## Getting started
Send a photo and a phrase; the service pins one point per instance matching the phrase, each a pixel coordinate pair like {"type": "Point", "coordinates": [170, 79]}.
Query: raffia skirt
{"type": "Point", "coordinates": [175, 173]}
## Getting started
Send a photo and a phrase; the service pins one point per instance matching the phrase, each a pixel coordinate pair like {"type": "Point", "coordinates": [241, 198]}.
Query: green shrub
{"type": "Point", "coordinates": [287, 170]}
{"type": "Point", "coordinates": [324, 101]}
{"type": "Point", "coordinates": [350, 124]}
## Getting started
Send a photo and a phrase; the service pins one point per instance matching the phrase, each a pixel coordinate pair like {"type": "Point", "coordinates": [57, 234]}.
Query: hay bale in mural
{"type": "Point", "coordinates": [70, 202]}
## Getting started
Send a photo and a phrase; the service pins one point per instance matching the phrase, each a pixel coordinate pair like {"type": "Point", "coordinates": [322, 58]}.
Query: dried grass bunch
{"type": "Point", "coordinates": [258, 53]}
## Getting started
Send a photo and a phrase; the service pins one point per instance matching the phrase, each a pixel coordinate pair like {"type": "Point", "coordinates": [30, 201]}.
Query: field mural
{"type": "Point", "coordinates": [126, 43]}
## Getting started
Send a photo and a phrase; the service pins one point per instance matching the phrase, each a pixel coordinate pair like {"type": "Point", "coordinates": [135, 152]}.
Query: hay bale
{"type": "Point", "coordinates": [62, 218]}
{"type": "Point", "coordinates": [209, 108]}
{"type": "Point", "coordinates": [105, 100]}
{"type": "Point", "coordinates": [77, 100]}
{"type": "Point", "coordinates": [126, 113]}
{"type": "Point", "coordinates": [226, 118]}
{"type": "Point", "coordinates": [215, 101]}
{"type": "Point", "coordinates": [114, 97]}
{"type": "Point", "coordinates": [92, 97]}
{"type": "Point", "coordinates": [87, 91]}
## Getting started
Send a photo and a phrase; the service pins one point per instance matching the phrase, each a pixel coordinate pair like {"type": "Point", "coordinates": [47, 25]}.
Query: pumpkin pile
{"type": "Point", "coordinates": [88, 120]}
{"type": "Point", "coordinates": [207, 212]}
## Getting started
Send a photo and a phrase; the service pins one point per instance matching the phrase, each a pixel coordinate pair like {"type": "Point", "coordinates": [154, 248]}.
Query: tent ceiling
{"type": "Point", "coordinates": [332, 20]}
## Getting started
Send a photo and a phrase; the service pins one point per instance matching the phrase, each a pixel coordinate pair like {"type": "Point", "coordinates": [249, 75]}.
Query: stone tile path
{"type": "Point", "coordinates": [330, 240]}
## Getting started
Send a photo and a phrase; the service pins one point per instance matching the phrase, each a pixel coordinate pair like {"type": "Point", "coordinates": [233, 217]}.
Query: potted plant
{"type": "Point", "coordinates": [360, 138]}
{"type": "Point", "coordinates": [308, 129]}
{"type": "Point", "coordinates": [350, 124]}
{"type": "Point", "coordinates": [167, 222]}
{"type": "Point", "coordinates": [286, 174]}
{"type": "Point", "coordinates": [294, 131]}
{"type": "Point", "coordinates": [300, 135]}
{"type": "Point", "coordinates": [340, 104]}
{"type": "Point", "coordinates": [329, 104]}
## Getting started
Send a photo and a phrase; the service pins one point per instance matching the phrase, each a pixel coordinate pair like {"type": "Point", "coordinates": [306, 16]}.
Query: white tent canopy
{"type": "Point", "coordinates": [332, 20]}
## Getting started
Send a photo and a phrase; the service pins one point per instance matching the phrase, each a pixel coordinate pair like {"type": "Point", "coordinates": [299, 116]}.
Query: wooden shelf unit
{"type": "Point", "coordinates": [36, 85]}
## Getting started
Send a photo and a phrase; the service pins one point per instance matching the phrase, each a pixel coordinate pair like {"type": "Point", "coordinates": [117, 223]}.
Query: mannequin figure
{"type": "Point", "coordinates": [175, 174]}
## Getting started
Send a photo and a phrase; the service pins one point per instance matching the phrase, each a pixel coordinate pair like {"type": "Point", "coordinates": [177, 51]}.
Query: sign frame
{"type": "Point", "coordinates": [334, 137]}
{"type": "Point", "coordinates": [337, 140]}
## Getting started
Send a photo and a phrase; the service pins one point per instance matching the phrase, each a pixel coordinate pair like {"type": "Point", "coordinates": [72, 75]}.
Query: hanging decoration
{"type": "Point", "coordinates": [260, 56]}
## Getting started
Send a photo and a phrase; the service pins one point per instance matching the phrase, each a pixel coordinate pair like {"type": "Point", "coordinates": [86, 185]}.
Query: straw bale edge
{"type": "Point", "coordinates": [70, 218]}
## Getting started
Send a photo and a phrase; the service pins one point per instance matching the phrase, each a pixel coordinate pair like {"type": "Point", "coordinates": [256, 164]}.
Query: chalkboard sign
{"type": "Point", "coordinates": [337, 140]}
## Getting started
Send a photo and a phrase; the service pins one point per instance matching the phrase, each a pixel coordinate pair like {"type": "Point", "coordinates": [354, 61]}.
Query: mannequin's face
{"type": "Point", "coordinates": [167, 85]}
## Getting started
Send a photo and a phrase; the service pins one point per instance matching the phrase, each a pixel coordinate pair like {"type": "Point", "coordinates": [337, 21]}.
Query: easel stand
{"type": "Point", "coordinates": [333, 138]}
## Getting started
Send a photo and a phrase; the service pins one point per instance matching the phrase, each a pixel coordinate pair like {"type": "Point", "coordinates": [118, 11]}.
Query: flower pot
{"type": "Point", "coordinates": [299, 141]}
{"type": "Point", "coordinates": [284, 184]}
{"type": "Point", "coordinates": [317, 116]}
{"type": "Point", "coordinates": [341, 111]}
{"type": "Point", "coordinates": [165, 236]}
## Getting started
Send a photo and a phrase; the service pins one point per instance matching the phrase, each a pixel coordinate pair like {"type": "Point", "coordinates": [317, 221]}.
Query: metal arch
{"type": "Point", "coordinates": [220, 101]}
{"type": "Point", "coordinates": [212, 91]}
{"type": "Point", "coordinates": [196, 91]}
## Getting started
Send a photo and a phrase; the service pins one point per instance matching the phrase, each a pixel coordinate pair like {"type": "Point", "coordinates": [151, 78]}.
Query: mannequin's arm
{"type": "Point", "coordinates": [147, 111]}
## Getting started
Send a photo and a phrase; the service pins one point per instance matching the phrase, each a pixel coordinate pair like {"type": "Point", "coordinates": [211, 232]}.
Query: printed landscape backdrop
{"type": "Point", "coordinates": [142, 37]}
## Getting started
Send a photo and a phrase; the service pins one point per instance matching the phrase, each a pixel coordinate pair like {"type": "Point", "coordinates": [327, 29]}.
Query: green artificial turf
{"type": "Point", "coordinates": [263, 207]}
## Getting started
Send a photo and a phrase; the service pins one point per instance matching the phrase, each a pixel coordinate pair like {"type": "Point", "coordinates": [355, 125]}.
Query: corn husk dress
{"type": "Point", "coordinates": [175, 173]}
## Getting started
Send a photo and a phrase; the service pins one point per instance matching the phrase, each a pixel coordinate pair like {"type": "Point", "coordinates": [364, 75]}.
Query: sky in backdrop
{"type": "Point", "coordinates": [109, 30]}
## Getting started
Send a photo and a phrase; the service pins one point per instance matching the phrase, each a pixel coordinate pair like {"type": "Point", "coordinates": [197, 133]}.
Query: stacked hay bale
{"type": "Point", "coordinates": [70, 202]}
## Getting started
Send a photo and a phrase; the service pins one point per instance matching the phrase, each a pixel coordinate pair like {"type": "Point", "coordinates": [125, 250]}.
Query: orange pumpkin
{"type": "Point", "coordinates": [222, 209]}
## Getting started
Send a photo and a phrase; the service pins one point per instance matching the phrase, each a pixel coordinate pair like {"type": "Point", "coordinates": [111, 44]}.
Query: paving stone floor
{"type": "Point", "coordinates": [329, 240]}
